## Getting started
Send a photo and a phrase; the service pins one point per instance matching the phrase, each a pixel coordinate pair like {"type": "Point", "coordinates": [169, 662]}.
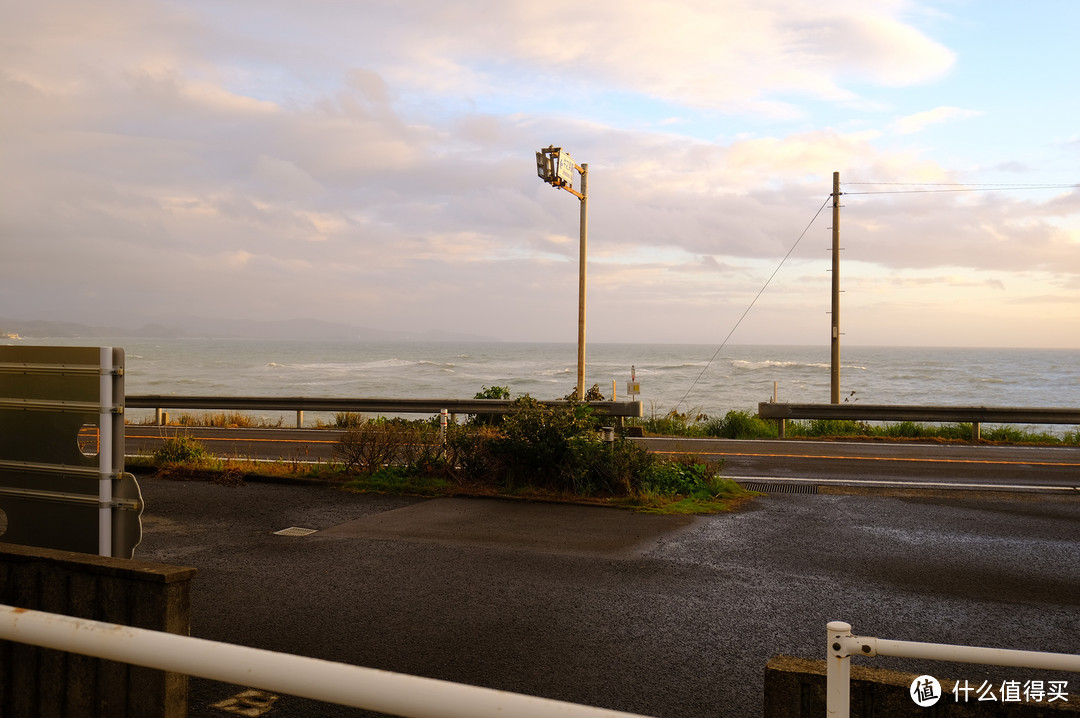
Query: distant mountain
{"type": "Point", "coordinates": [201, 327]}
{"type": "Point", "coordinates": [41, 329]}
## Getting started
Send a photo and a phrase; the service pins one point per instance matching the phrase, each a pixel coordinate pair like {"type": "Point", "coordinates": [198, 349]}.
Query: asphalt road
{"type": "Point", "coordinates": [665, 616]}
{"type": "Point", "coordinates": [904, 462]}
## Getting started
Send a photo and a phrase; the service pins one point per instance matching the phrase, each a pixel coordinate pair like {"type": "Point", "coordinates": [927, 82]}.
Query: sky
{"type": "Point", "coordinates": [373, 163]}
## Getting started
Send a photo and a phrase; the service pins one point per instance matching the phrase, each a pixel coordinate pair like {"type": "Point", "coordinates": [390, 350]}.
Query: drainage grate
{"type": "Point", "coordinates": [778, 488]}
{"type": "Point", "coordinates": [295, 531]}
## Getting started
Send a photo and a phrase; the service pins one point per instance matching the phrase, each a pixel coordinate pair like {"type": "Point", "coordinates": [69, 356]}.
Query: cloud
{"type": "Point", "coordinates": [921, 120]}
{"type": "Point", "coordinates": [376, 160]}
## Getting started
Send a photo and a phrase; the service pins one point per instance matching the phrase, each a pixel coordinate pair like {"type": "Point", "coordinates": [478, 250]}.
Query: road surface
{"type": "Point", "coordinates": [660, 615]}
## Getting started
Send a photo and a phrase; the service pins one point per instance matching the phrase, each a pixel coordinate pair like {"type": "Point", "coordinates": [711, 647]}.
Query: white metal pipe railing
{"type": "Point", "coordinates": [105, 453]}
{"type": "Point", "coordinates": [355, 686]}
{"type": "Point", "coordinates": [843, 644]}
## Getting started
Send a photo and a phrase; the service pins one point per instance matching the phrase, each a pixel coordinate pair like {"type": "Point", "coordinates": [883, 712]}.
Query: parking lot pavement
{"type": "Point", "coordinates": [665, 616]}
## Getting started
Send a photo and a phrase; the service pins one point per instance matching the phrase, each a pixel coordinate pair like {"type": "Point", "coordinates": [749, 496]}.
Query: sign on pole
{"type": "Point", "coordinates": [566, 169]}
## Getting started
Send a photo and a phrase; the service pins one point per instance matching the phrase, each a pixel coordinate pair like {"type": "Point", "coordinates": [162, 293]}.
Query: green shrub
{"type": "Point", "coordinates": [741, 425]}
{"type": "Point", "coordinates": [469, 449]}
{"type": "Point", "coordinates": [559, 448]}
{"type": "Point", "coordinates": [181, 449]}
{"type": "Point", "coordinates": [821, 428]}
{"type": "Point", "coordinates": [684, 476]}
{"type": "Point", "coordinates": [489, 392]}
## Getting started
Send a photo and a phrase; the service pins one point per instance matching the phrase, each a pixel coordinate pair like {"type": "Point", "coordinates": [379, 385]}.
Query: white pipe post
{"type": "Point", "coordinates": [105, 453]}
{"type": "Point", "coordinates": [838, 672]}
{"type": "Point", "coordinates": [973, 654]}
{"type": "Point", "coordinates": [356, 686]}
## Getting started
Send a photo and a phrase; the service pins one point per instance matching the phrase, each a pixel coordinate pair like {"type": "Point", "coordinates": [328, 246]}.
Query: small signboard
{"type": "Point", "coordinates": [566, 169]}
{"type": "Point", "coordinates": [633, 387]}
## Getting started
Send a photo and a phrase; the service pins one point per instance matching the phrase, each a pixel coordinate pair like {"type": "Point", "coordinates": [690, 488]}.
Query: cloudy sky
{"type": "Point", "coordinates": [373, 162]}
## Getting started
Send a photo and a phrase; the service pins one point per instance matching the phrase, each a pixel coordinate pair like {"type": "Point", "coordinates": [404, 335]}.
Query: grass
{"type": "Point", "coordinates": [223, 419]}
{"type": "Point", "coordinates": [747, 425]}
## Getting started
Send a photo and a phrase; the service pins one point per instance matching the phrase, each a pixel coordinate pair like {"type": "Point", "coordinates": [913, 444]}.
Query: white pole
{"type": "Point", "coordinates": [972, 654]}
{"type": "Point", "coordinates": [105, 453]}
{"type": "Point", "coordinates": [838, 671]}
{"type": "Point", "coordinates": [368, 688]}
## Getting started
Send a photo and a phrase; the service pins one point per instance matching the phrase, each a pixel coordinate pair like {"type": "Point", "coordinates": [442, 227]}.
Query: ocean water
{"type": "Point", "coordinates": [692, 378]}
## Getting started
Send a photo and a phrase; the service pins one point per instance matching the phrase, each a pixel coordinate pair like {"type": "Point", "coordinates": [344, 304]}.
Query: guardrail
{"type": "Point", "coordinates": [299, 404]}
{"type": "Point", "coordinates": [843, 644]}
{"type": "Point", "coordinates": [975, 415]}
{"type": "Point", "coordinates": [348, 685]}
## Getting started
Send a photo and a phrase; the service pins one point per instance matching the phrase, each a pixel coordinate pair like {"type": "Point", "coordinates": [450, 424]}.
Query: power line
{"type": "Point", "coordinates": [752, 303]}
{"type": "Point", "coordinates": [941, 187]}
{"type": "Point", "coordinates": [954, 187]}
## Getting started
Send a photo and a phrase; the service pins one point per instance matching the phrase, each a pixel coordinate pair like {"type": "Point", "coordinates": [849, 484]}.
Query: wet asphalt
{"type": "Point", "coordinates": [664, 616]}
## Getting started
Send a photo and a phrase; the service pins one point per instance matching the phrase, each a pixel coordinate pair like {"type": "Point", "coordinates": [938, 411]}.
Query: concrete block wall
{"type": "Point", "coordinates": [41, 682]}
{"type": "Point", "coordinates": [795, 688]}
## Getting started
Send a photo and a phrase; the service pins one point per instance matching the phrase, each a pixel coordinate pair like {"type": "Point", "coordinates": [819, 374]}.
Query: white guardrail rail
{"type": "Point", "coordinates": [843, 645]}
{"type": "Point", "coordinates": [344, 684]}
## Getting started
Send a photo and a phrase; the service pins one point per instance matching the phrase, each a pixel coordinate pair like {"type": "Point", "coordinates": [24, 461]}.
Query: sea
{"type": "Point", "coordinates": [693, 379]}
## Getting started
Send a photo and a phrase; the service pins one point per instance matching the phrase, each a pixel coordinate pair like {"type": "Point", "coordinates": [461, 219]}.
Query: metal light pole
{"type": "Point", "coordinates": [556, 167]}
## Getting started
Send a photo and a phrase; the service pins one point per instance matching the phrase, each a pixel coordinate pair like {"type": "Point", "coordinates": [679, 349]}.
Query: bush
{"type": "Point", "coordinates": [181, 449]}
{"type": "Point", "coordinates": [367, 447]}
{"type": "Point", "coordinates": [685, 476]}
{"type": "Point", "coordinates": [469, 450]}
{"type": "Point", "coordinates": [489, 392]}
{"type": "Point", "coordinates": [560, 449]}
{"type": "Point", "coordinates": [741, 425]}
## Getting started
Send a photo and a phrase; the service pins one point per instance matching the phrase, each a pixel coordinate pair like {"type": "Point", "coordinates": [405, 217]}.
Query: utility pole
{"type": "Point", "coordinates": [834, 394]}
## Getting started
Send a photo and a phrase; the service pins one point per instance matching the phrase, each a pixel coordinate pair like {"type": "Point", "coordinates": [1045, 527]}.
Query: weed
{"type": "Point", "coordinates": [741, 425]}
{"type": "Point", "coordinates": [398, 480]}
{"type": "Point", "coordinates": [348, 420]}
{"type": "Point", "coordinates": [181, 449]}
{"type": "Point", "coordinates": [225, 419]}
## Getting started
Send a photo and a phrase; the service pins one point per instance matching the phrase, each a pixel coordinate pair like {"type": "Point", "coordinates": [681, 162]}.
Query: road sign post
{"type": "Point", "coordinates": [556, 167]}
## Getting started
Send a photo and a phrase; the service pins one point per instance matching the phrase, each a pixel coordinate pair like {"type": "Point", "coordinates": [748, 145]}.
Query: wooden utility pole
{"type": "Point", "coordinates": [834, 394]}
